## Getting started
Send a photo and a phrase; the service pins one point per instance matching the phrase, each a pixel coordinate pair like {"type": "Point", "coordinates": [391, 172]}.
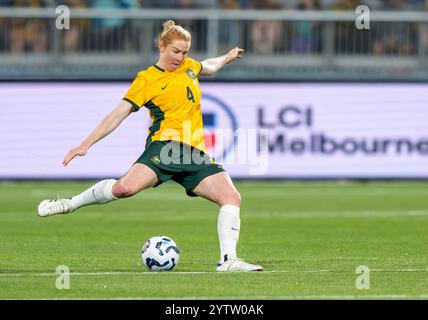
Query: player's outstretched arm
{"type": "Point", "coordinates": [106, 126]}
{"type": "Point", "coordinates": [212, 65]}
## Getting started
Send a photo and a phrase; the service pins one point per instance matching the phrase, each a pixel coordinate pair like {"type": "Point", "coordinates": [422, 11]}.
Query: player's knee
{"type": "Point", "coordinates": [233, 197]}
{"type": "Point", "coordinates": [123, 190]}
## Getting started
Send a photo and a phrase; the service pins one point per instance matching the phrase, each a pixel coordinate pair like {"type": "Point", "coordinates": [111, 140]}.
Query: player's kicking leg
{"type": "Point", "coordinates": [219, 188]}
{"type": "Point", "coordinates": [138, 178]}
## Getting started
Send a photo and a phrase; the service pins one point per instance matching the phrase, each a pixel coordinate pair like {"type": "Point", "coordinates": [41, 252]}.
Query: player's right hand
{"type": "Point", "coordinates": [235, 53]}
{"type": "Point", "coordinates": [77, 151]}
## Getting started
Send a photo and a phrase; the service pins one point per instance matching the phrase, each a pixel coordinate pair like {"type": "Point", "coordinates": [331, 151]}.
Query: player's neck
{"type": "Point", "coordinates": [161, 65]}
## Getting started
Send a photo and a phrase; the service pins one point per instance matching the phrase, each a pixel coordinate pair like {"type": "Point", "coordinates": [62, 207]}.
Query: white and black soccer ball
{"type": "Point", "coordinates": [160, 253]}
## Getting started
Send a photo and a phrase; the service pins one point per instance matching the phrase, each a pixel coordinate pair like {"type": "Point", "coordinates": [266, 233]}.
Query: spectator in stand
{"type": "Point", "coordinates": [157, 4]}
{"type": "Point", "coordinates": [348, 39]}
{"type": "Point", "coordinates": [110, 34]}
{"type": "Point", "coordinates": [424, 7]}
{"type": "Point", "coordinates": [228, 29]}
{"type": "Point", "coordinates": [4, 30]}
{"type": "Point", "coordinates": [72, 36]}
{"type": "Point", "coordinates": [416, 4]}
{"type": "Point", "coordinates": [266, 34]}
{"type": "Point", "coordinates": [28, 34]}
{"type": "Point", "coordinates": [306, 34]}
{"type": "Point", "coordinates": [246, 4]}
{"type": "Point", "coordinates": [394, 38]}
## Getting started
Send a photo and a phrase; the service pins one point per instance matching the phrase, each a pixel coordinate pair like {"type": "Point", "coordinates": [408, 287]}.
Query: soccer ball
{"type": "Point", "coordinates": [160, 253]}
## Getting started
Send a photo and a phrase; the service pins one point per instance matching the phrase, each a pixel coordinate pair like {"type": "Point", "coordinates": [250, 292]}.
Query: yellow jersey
{"type": "Point", "coordinates": [173, 100]}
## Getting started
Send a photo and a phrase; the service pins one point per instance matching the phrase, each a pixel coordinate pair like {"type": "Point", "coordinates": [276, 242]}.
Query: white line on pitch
{"type": "Point", "coordinates": [331, 214]}
{"type": "Point", "coordinates": [146, 273]}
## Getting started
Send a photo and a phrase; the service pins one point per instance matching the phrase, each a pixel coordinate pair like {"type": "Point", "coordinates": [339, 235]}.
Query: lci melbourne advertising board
{"type": "Point", "coordinates": [256, 130]}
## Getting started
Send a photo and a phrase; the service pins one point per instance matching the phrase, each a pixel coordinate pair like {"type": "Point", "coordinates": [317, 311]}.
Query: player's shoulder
{"type": "Point", "coordinates": [193, 64]}
{"type": "Point", "coordinates": [192, 61]}
{"type": "Point", "coordinates": [148, 74]}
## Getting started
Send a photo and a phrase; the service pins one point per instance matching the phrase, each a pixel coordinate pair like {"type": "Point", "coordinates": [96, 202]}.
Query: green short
{"type": "Point", "coordinates": [172, 160]}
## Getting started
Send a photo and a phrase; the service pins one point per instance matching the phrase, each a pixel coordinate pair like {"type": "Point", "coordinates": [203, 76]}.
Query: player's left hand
{"type": "Point", "coordinates": [235, 53]}
{"type": "Point", "coordinates": [77, 151]}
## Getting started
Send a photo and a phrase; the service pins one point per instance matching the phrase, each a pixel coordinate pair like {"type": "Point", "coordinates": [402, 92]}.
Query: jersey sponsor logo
{"type": "Point", "coordinates": [191, 74]}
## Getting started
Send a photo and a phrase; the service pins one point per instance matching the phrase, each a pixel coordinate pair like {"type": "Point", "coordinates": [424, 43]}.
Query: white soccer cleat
{"type": "Point", "coordinates": [48, 208]}
{"type": "Point", "coordinates": [238, 265]}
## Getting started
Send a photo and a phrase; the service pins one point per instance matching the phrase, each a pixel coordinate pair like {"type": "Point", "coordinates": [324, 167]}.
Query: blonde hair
{"type": "Point", "coordinates": [172, 31]}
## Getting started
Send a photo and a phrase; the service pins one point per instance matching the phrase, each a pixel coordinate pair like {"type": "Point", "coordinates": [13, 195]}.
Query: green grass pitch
{"type": "Point", "coordinates": [310, 238]}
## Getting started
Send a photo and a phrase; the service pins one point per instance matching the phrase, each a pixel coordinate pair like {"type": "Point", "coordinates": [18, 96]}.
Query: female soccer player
{"type": "Point", "coordinates": [175, 145]}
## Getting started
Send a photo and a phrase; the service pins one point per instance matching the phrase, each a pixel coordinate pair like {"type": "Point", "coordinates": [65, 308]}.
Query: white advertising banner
{"type": "Point", "coordinates": [256, 130]}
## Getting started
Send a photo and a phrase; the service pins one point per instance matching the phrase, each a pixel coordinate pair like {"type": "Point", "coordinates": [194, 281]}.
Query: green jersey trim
{"type": "Point", "coordinates": [158, 116]}
{"type": "Point", "coordinates": [134, 105]}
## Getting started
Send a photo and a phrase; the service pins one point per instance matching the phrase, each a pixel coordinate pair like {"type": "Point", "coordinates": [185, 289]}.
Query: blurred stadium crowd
{"type": "Point", "coordinates": [227, 4]}
{"type": "Point", "coordinates": [261, 37]}
{"type": "Point", "coordinates": [111, 34]}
